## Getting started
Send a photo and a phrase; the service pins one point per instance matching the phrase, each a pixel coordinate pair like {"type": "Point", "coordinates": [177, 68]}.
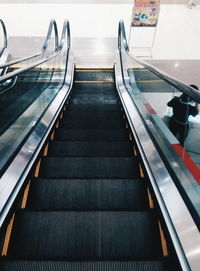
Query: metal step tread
{"type": "Point", "coordinates": [89, 99]}
{"type": "Point", "coordinates": [84, 123]}
{"type": "Point", "coordinates": [81, 194]}
{"type": "Point", "coordinates": [85, 235]}
{"type": "Point", "coordinates": [101, 109]}
{"type": "Point", "coordinates": [92, 115]}
{"type": "Point", "coordinates": [98, 109]}
{"type": "Point", "coordinates": [92, 167]}
{"type": "Point", "coordinates": [94, 75]}
{"type": "Point", "coordinates": [93, 87]}
{"type": "Point", "coordinates": [91, 134]}
{"type": "Point", "coordinates": [83, 96]}
{"type": "Point", "coordinates": [90, 148]}
{"type": "Point", "coordinates": [108, 88]}
{"type": "Point", "coordinates": [13, 265]}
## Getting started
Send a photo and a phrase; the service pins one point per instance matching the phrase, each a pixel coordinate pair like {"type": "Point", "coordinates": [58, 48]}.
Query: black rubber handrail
{"type": "Point", "coordinates": [123, 45]}
{"type": "Point", "coordinates": [52, 27]}
{"type": "Point", "coordinates": [65, 36]}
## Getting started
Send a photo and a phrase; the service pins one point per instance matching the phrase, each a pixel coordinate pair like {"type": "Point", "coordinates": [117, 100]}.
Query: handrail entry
{"type": "Point", "coordinates": [52, 26]}
{"type": "Point", "coordinates": [65, 36]}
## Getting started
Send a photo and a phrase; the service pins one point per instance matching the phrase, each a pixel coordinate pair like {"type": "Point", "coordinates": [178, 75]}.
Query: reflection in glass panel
{"type": "Point", "coordinates": [166, 100]}
{"type": "Point", "coordinates": [24, 99]}
{"type": "Point", "coordinates": [151, 92]}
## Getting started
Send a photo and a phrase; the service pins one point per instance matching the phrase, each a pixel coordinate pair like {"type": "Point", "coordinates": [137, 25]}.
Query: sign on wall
{"type": "Point", "coordinates": [145, 13]}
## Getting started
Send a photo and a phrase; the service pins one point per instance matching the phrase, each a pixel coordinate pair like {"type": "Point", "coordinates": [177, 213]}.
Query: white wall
{"type": "Point", "coordinates": [177, 34]}
{"type": "Point", "coordinates": [177, 37]}
{"type": "Point", "coordinates": [86, 20]}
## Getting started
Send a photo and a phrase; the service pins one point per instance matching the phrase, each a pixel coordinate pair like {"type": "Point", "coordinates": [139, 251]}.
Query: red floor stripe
{"type": "Point", "coordinates": [190, 164]}
{"type": "Point", "coordinates": [150, 109]}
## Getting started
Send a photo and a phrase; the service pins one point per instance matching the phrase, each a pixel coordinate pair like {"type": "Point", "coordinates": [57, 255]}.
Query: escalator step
{"type": "Point", "coordinates": [89, 115]}
{"type": "Point", "coordinates": [80, 194]}
{"type": "Point", "coordinates": [94, 88]}
{"type": "Point", "coordinates": [85, 235]}
{"type": "Point", "coordinates": [97, 99]}
{"type": "Point", "coordinates": [78, 89]}
{"type": "Point", "coordinates": [91, 134]}
{"type": "Point", "coordinates": [13, 265]}
{"type": "Point", "coordinates": [92, 123]}
{"type": "Point", "coordinates": [99, 110]}
{"type": "Point", "coordinates": [97, 96]}
{"type": "Point", "coordinates": [90, 148]}
{"type": "Point", "coordinates": [120, 168]}
{"type": "Point", "coordinates": [107, 75]}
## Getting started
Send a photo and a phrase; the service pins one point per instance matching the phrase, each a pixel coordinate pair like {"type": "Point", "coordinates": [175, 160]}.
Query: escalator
{"type": "Point", "coordinates": [87, 188]}
{"type": "Point", "coordinates": [89, 204]}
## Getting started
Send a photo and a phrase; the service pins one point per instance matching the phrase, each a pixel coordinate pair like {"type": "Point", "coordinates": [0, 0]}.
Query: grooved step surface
{"type": "Point", "coordinates": [88, 115]}
{"type": "Point", "coordinates": [105, 110]}
{"type": "Point", "coordinates": [120, 168]}
{"type": "Point", "coordinates": [92, 123]}
{"type": "Point", "coordinates": [101, 109]}
{"type": "Point", "coordinates": [110, 89]}
{"type": "Point", "coordinates": [94, 75]}
{"type": "Point", "coordinates": [85, 235]}
{"type": "Point", "coordinates": [94, 99]}
{"type": "Point", "coordinates": [91, 134]}
{"type": "Point", "coordinates": [94, 88]}
{"type": "Point", "coordinates": [90, 148]}
{"type": "Point", "coordinates": [97, 96]}
{"type": "Point", "coordinates": [8, 265]}
{"type": "Point", "coordinates": [65, 194]}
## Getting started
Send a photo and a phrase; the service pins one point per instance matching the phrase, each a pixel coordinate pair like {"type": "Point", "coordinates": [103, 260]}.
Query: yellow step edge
{"type": "Point", "coordinates": [163, 241]}
{"type": "Point", "coordinates": [7, 237]}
